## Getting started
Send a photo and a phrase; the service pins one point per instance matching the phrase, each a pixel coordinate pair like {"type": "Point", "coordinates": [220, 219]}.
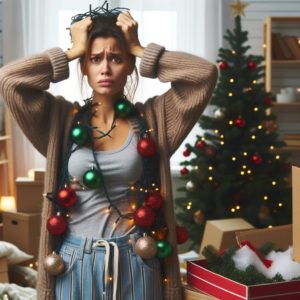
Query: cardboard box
{"type": "Point", "coordinates": [192, 294]}
{"type": "Point", "coordinates": [221, 233]}
{"type": "Point", "coordinates": [223, 288]}
{"type": "Point", "coordinates": [3, 270]}
{"type": "Point", "coordinates": [280, 236]}
{"type": "Point", "coordinates": [296, 212]}
{"type": "Point", "coordinates": [29, 195]}
{"type": "Point", "coordinates": [23, 230]}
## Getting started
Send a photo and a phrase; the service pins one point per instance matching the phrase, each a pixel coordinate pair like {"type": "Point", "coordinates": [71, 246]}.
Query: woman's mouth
{"type": "Point", "coordinates": [105, 82]}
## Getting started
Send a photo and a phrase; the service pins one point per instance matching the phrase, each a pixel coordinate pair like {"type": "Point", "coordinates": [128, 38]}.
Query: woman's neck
{"type": "Point", "coordinates": [104, 108]}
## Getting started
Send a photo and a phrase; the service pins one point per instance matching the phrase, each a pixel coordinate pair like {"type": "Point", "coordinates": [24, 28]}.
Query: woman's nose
{"type": "Point", "coordinates": [105, 69]}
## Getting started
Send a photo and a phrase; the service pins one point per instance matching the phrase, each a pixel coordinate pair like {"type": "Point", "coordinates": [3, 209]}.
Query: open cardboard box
{"type": "Point", "coordinates": [199, 277]}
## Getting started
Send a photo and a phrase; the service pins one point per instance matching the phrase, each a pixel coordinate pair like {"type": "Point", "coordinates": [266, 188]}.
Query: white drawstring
{"type": "Point", "coordinates": [115, 274]}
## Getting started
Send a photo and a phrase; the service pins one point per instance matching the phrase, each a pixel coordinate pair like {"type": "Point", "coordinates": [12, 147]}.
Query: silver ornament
{"type": "Point", "coordinates": [190, 186]}
{"type": "Point", "coordinates": [54, 264]}
{"type": "Point", "coordinates": [145, 247]}
{"type": "Point", "coordinates": [219, 113]}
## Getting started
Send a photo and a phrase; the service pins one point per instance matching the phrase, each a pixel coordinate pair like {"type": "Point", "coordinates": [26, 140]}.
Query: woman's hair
{"type": "Point", "coordinates": [105, 26]}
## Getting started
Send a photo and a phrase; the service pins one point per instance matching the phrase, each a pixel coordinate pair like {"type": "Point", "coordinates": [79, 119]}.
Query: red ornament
{"type": "Point", "coordinates": [223, 65]}
{"type": "Point", "coordinates": [154, 200]}
{"type": "Point", "coordinates": [182, 234]}
{"type": "Point", "coordinates": [251, 65]}
{"type": "Point", "coordinates": [66, 197]}
{"type": "Point", "coordinates": [186, 152]}
{"type": "Point", "coordinates": [210, 151]}
{"type": "Point", "coordinates": [200, 144]}
{"type": "Point", "coordinates": [144, 216]}
{"type": "Point", "coordinates": [240, 122]}
{"type": "Point", "coordinates": [184, 171]}
{"type": "Point", "coordinates": [268, 100]}
{"type": "Point", "coordinates": [146, 147]}
{"type": "Point", "coordinates": [256, 159]}
{"type": "Point", "coordinates": [57, 225]}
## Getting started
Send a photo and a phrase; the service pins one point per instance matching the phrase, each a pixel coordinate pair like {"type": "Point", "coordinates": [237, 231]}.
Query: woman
{"type": "Point", "coordinates": [109, 192]}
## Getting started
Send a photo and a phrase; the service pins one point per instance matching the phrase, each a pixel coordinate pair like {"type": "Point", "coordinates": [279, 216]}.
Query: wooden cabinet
{"type": "Point", "coordinates": [6, 158]}
{"type": "Point", "coordinates": [280, 73]}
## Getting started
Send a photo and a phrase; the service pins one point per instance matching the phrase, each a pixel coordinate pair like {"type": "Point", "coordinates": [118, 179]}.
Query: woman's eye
{"type": "Point", "coordinates": [95, 59]}
{"type": "Point", "coordinates": [116, 59]}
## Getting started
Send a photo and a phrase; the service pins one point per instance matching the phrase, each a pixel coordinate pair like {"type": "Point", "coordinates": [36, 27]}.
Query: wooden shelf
{"type": "Point", "coordinates": [292, 62]}
{"type": "Point", "coordinates": [4, 137]}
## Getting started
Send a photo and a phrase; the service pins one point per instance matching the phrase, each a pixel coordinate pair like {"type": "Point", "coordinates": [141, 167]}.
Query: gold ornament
{"type": "Point", "coordinates": [238, 8]}
{"type": "Point", "coordinates": [198, 217]}
{"type": "Point", "coordinates": [145, 247]}
{"type": "Point", "coordinates": [54, 264]}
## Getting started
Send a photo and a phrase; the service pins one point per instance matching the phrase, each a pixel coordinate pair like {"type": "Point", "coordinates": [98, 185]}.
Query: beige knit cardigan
{"type": "Point", "coordinates": [46, 121]}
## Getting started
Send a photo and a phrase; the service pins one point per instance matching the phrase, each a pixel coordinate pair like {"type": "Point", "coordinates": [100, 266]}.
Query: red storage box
{"type": "Point", "coordinates": [199, 277]}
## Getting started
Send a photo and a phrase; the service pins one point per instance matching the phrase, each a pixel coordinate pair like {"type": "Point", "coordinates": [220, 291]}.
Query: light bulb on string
{"type": "Point", "coordinates": [277, 157]}
{"type": "Point", "coordinates": [231, 80]}
{"type": "Point", "coordinates": [280, 204]}
{"type": "Point", "coordinates": [255, 109]}
{"type": "Point", "coordinates": [253, 137]}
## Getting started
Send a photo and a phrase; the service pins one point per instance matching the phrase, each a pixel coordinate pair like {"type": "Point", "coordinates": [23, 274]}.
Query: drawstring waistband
{"type": "Point", "coordinates": [115, 274]}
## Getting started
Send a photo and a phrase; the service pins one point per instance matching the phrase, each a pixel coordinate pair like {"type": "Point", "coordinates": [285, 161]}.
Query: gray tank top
{"type": "Point", "coordinates": [121, 168]}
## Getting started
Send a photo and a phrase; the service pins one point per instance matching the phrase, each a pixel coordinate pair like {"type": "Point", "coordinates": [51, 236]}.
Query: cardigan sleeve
{"type": "Point", "coordinates": [23, 86]}
{"type": "Point", "coordinates": [192, 82]}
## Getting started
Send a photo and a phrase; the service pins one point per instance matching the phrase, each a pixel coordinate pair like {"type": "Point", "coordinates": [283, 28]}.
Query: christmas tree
{"type": "Point", "coordinates": [236, 168]}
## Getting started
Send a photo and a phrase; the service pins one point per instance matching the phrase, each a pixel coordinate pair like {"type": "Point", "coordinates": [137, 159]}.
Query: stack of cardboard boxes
{"type": "Point", "coordinates": [22, 228]}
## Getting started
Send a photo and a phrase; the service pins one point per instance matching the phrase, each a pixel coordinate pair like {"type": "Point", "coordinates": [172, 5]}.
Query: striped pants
{"type": "Point", "coordinates": [106, 269]}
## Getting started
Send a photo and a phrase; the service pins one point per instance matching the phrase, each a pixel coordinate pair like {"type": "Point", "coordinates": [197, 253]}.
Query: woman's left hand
{"type": "Point", "coordinates": [130, 29]}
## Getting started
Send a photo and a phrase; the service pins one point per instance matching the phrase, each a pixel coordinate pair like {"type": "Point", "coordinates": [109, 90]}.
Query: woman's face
{"type": "Point", "coordinates": [108, 66]}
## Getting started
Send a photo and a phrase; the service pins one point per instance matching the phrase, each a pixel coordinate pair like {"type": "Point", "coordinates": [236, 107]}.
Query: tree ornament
{"type": "Point", "coordinates": [223, 65]}
{"type": "Point", "coordinates": [144, 216]}
{"type": "Point", "coordinates": [163, 249]}
{"type": "Point", "coordinates": [146, 247]}
{"type": "Point", "coordinates": [210, 151]}
{"type": "Point", "coordinates": [219, 113]}
{"type": "Point", "coordinates": [160, 233]}
{"type": "Point", "coordinates": [240, 122]}
{"type": "Point", "coordinates": [186, 152]}
{"type": "Point", "coordinates": [184, 171]}
{"type": "Point", "coordinates": [66, 197]}
{"type": "Point", "coordinates": [57, 225]}
{"type": "Point", "coordinates": [154, 200]}
{"type": "Point", "coordinates": [182, 234]}
{"type": "Point", "coordinates": [198, 217]}
{"type": "Point", "coordinates": [256, 159]}
{"type": "Point", "coordinates": [200, 144]}
{"type": "Point", "coordinates": [92, 179]}
{"type": "Point", "coordinates": [123, 108]}
{"type": "Point", "coordinates": [146, 147]}
{"type": "Point", "coordinates": [251, 65]}
{"type": "Point", "coordinates": [54, 264]}
{"type": "Point", "coordinates": [190, 186]}
{"type": "Point", "coordinates": [80, 134]}
{"type": "Point", "coordinates": [268, 100]}
{"type": "Point", "coordinates": [264, 212]}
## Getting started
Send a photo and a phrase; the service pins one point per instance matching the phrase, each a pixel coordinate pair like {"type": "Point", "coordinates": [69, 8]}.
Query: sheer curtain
{"type": "Point", "coordinates": [31, 26]}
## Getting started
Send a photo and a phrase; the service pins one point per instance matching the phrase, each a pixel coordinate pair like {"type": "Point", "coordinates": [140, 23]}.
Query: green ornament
{"type": "Point", "coordinates": [79, 134]}
{"type": "Point", "coordinates": [123, 108]}
{"type": "Point", "coordinates": [163, 249]}
{"type": "Point", "coordinates": [92, 179]}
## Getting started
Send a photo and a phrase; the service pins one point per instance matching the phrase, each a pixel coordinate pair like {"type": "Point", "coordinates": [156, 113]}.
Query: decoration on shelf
{"type": "Point", "coordinates": [256, 159]}
{"type": "Point", "coordinates": [251, 65]}
{"type": "Point", "coordinates": [184, 171]}
{"type": "Point", "coordinates": [54, 264]}
{"type": "Point", "coordinates": [146, 247]}
{"type": "Point", "coordinates": [198, 217]}
{"type": "Point", "coordinates": [182, 234]}
{"type": "Point", "coordinates": [186, 152]}
{"type": "Point", "coordinates": [190, 186]}
{"type": "Point", "coordinates": [238, 8]}
{"type": "Point", "coordinates": [240, 122]}
{"type": "Point", "coordinates": [223, 65]}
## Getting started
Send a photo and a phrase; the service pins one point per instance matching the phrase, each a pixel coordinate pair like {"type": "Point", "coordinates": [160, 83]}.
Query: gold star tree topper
{"type": "Point", "coordinates": [238, 8]}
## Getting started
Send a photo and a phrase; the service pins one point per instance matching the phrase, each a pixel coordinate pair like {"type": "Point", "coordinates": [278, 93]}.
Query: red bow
{"type": "Point", "coordinates": [266, 262]}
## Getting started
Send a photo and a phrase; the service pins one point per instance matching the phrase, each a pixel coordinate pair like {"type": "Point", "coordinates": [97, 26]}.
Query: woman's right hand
{"type": "Point", "coordinates": [79, 34]}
